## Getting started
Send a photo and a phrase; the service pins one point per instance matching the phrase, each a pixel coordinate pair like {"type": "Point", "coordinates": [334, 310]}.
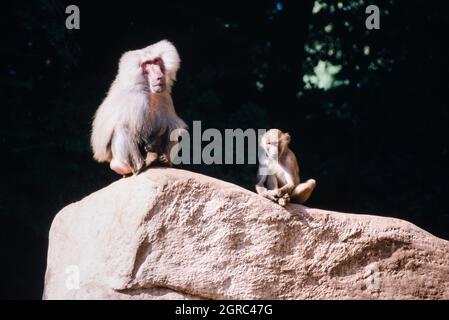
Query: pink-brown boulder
{"type": "Point", "coordinates": [174, 234]}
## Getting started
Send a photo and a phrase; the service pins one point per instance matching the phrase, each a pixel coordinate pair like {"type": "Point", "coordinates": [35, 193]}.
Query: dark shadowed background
{"type": "Point", "coordinates": [369, 122]}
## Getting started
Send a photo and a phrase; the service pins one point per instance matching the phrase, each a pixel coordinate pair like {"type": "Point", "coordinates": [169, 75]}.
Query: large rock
{"type": "Point", "coordinates": [171, 233]}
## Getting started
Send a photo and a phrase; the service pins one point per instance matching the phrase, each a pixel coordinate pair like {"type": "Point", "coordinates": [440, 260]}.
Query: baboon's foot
{"type": "Point", "coordinates": [284, 200]}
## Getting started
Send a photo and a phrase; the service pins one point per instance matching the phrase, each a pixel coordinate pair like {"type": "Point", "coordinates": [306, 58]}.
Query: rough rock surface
{"type": "Point", "coordinates": [174, 234]}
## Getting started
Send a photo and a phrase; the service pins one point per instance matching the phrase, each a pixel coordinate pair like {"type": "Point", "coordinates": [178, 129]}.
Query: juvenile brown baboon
{"type": "Point", "coordinates": [278, 177]}
{"type": "Point", "coordinates": [132, 126]}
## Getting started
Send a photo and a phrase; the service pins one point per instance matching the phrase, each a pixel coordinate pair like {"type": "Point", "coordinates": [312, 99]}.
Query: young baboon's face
{"type": "Point", "coordinates": [275, 143]}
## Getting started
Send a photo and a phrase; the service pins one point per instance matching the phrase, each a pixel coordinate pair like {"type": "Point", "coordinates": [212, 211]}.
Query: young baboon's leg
{"type": "Point", "coordinates": [303, 191]}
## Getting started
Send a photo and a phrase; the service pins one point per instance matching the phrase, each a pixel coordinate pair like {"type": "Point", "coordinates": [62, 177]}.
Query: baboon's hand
{"type": "Point", "coordinates": [150, 158]}
{"type": "Point", "coordinates": [164, 160]}
{"type": "Point", "coordinates": [277, 193]}
{"type": "Point", "coordinates": [271, 194]}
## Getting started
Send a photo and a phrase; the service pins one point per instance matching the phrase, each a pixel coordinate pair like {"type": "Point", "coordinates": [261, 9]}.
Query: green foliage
{"type": "Point", "coordinates": [341, 48]}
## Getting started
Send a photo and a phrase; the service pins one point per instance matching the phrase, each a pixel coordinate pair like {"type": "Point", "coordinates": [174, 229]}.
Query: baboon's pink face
{"type": "Point", "coordinates": [275, 142]}
{"type": "Point", "coordinates": [154, 72]}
